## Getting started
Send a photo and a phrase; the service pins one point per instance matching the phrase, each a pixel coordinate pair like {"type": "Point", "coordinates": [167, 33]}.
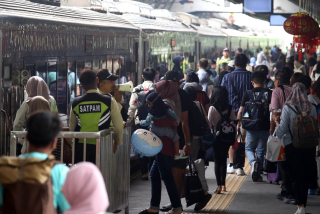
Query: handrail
{"type": "Point", "coordinates": [69, 134]}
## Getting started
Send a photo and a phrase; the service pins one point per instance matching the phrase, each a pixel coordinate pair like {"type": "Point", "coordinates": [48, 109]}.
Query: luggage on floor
{"type": "Point", "coordinates": [275, 177]}
{"type": "Point", "coordinates": [193, 187]}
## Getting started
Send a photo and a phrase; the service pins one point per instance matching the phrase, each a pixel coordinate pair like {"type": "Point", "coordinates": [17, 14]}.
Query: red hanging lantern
{"type": "Point", "coordinates": [304, 28]}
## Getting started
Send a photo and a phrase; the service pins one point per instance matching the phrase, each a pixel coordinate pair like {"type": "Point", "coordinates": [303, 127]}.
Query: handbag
{"type": "Point", "coordinates": [239, 156]}
{"type": "Point", "coordinates": [275, 149]}
{"type": "Point", "coordinates": [193, 188]}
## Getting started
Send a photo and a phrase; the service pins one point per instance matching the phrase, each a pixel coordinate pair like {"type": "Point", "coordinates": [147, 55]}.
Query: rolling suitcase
{"type": "Point", "coordinates": [275, 177]}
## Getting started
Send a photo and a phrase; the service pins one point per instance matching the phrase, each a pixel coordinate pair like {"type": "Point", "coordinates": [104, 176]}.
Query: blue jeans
{"type": "Point", "coordinates": [162, 170]}
{"type": "Point", "coordinates": [257, 140]}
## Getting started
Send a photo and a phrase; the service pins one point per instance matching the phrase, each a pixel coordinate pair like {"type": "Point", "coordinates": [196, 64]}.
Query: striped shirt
{"type": "Point", "coordinates": [242, 83]}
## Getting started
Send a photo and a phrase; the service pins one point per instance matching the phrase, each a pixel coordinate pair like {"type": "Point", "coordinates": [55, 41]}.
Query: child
{"type": "Point", "coordinates": [159, 110]}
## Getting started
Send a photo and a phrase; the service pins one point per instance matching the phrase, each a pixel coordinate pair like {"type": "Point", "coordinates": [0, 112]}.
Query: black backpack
{"type": "Point", "coordinates": [142, 102]}
{"type": "Point", "coordinates": [254, 111]}
{"type": "Point", "coordinates": [198, 123]}
{"type": "Point", "coordinates": [226, 129]}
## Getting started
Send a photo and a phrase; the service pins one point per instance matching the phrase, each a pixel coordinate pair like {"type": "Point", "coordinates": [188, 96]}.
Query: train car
{"type": "Point", "coordinates": [53, 42]}
{"type": "Point", "coordinates": [210, 42]}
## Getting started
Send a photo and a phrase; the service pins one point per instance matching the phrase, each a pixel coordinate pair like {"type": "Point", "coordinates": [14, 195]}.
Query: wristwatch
{"type": "Point", "coordinates": [188, 144]}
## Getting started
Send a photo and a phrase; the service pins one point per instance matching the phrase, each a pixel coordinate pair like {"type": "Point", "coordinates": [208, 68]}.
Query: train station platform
{"type": "Point", "coordinates": [243, 196]}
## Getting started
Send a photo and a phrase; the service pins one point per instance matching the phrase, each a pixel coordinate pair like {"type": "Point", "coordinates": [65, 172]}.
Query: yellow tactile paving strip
{"type": "Point", "coordinates": [219, 203]}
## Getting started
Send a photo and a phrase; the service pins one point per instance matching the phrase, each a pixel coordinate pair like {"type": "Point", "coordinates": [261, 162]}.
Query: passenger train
{"type": "Point", "coordinates": [124, 37]}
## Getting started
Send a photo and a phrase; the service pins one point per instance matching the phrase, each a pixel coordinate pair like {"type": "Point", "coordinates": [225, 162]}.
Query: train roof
{"type": "Point", "coordinates": [73, 15]}
{"type": "Point", "coordinates": [208, 31]}
{"type": "Point", "coordinates": [157, 23]}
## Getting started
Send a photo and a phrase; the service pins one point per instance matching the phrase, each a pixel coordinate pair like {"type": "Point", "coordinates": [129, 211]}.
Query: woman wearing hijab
{"type": "Point", "coordinates": [38, 103]}
{"type": "Point", "coordinates": [169, 93]}
{"type": "Point", "coordinates": [301, 162]}
{"type": "Point", "coordinates": [219, 105]}
{"type": "Point", "coordinates": [85, 190]}
{"type": "Point", "coordinates": [36, 86]}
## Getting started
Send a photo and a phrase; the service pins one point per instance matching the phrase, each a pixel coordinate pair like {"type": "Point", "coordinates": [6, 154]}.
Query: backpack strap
{"type": "Point", "coordinates": [260, 94]}
{"type": "Point", "coordinates": [138, 89]}
{"type": "Point", "coordinates": [289, 125]}
{"type": "Point", "coordinates": [284, 95]}
{"type": "Point", "coordinates": [294, 110]}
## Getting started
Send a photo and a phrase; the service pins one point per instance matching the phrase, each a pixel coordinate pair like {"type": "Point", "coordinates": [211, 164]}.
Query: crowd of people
{"type": "Point", "coordinates": [236, 100]}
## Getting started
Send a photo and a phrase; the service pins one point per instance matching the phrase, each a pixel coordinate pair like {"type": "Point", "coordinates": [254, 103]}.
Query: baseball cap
{"type": "Point", "coordinates": [226, 49]}
{"type": "Point", "coordinates": [171, 75]}
{"type": "Point", "coordinates": [104, 74]}
{"type": "Point", "coordinates": [240, 50]}
{"type": "Point", "coordinates": [231, 63]}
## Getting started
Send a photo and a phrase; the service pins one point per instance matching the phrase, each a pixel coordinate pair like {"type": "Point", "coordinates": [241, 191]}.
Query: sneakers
{"type": "Point", "coordinates": [301, 210]}
{"type": "Point", "coordinates": [230, 169]}
{"type": "Point", "coordinates": [240, 172]}
{"type": "Point", "coordinates": [254, 171]}
{"type": "Point", "coordinates": [280, 196]}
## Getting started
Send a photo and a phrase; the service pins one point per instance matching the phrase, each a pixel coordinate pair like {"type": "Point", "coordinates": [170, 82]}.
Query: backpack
{"type": "Point", "coordinates": [298, 70]}
{"type": "Point", "coordinates": [226, 129]}
{"type": "Point", "coordinates": [254, 111]}
{"type": "Point", "coordinates": [27, 185]}
{"type": "Point", "coordinates": [142, 105]}
{"type": "Point", "coordinates": [305, 130]}
{"type": "Point", "coordinates": [198, 121]}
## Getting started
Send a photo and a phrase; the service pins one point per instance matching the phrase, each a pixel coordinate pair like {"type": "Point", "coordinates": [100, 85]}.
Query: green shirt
{"type": "Point", "coordinates": [92, 111]}
{"type": "Point", "coordinates": [58, 176]}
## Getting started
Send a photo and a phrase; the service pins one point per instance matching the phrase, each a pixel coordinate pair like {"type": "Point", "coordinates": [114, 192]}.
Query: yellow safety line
{"type": "Point", "coordinates": [219, 203]}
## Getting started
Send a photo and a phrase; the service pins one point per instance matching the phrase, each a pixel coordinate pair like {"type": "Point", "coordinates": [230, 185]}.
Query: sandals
{"type": "Point", "coordinates": [145, 211]}
{"type": "Point", "coordinates": [223, 189]}
{"type": "Point", "coordinates": [218, 190]}
{"type": "Point", "coordinates": [166, 208]}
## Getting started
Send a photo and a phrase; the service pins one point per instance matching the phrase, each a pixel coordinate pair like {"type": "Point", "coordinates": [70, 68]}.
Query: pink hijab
{"type": "Point", "coordinates": [169, 93]}
{"type": "Point", "coordinates": [85, 190]}
{"type": "Point", "coordinates": [36, 86]}
{"type": "Point", "coordinates": [167, 89]}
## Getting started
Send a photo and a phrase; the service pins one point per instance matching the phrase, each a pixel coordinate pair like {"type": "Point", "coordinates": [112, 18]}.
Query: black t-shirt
{"type": "Point", "coordinates": [185, 100]}
{"type": "Point", "coordinates": [266, 100]}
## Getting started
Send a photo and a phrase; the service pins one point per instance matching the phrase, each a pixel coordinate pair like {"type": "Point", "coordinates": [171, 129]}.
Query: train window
{"type": "Point", "coordinates": [41, 70]}
{"type": "Point", "coordinates": [116, 65]}
{"type": "Point", "coordinates": [80, 69]}
{"type": "Point", "coordinates": [109, 63]}
{"type": "Point", "coordinates": [88, 65]}
{"type": "Point", "coordinates": [103, 64]}
{"type": "Point", "coordinates": [63, 94]}
{"type": "Point", "coordinates": [73, 80]}
{"type": "Point", "coordinates": [95, 66]}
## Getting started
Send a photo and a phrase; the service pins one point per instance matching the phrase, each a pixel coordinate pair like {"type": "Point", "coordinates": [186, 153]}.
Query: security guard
{"type": "Point", "coordinates": [107, 85]}
{"type": "Point", "coordinates": [93, 112]}
{"type": "Point", "coordinates": [224, 58]}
